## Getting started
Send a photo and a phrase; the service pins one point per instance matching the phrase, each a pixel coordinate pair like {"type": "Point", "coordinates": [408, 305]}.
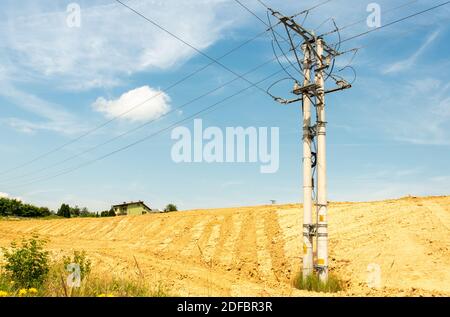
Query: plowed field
{"type": "Point", "coordinates": [256, 251]}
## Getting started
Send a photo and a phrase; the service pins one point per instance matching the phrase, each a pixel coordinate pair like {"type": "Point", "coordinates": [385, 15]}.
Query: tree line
{"type": "Point", "coordinates": [69, 212]}
{"type": "Point", "coordinates": [16, 208]}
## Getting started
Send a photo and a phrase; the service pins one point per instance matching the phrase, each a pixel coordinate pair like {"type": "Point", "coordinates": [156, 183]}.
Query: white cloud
{"type": "Point", "coordinates": [411, 61]}
{"type": "Point", "coordinates": [112, 42]}
{"type": "Point", "coordinates": [5, 195]}
{"type": "Point", "coordinates": [140, 104]}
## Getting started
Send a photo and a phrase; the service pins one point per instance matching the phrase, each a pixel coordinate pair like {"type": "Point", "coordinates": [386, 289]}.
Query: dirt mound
{"type": "Point", "coordinates": [256, 251]}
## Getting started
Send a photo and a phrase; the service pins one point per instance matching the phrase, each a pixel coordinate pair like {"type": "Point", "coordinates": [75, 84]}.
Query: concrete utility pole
{"type": "Point", "coordinates": [317, 58]}
{"type": "Point", "coordinates": [322, 202]}
{"type": "Point", "coordinates": [308, 260]}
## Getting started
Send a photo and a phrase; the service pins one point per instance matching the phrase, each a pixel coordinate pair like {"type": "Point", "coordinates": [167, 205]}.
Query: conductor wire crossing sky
{"type": "Point", "coordinates": [198, 84]}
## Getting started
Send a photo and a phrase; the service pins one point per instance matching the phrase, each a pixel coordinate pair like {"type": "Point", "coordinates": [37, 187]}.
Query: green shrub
{"type": "Point", "coordinates": [27, 264]}
{"type": "Point", "coordinates": [6, 285]}
{"type": "Point", "coordinates": [313, 283]}
{"type": "Point", "coordinates": [171, 207]}
{"type": "Point", "coordinates": [81, 259]}
{"type": "Point", "coordinates": [28, 274]}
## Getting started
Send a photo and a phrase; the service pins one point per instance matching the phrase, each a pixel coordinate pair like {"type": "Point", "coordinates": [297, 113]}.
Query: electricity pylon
{"type": "Point", "coordinates": [317, 58]}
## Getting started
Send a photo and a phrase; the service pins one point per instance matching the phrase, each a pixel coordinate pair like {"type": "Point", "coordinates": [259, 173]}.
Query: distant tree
{"type": "Point", "coordinates": [75, 211]}
{"type": "Point", "coordinates": [44, 212]}
{"type": "Point", "coordinates": [64, 211]}
{"type": "Point", "coordinates": [85, 213]}
{"type": "Point", "coordinates": [61, 210]}
{"type": "Point", "coordinates": [111, 213]}
{"type": "Point", "coordinates": [170, 208]}
{"type": "Point", "coordinates": [108, 213]}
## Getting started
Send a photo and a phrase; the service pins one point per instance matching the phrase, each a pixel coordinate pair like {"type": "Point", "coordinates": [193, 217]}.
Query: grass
{"type": "Point", "coordinates": [101, 285]}
{"type": "Point", "coordinates": [93, 285]}
{"type": "Point", "coordinates": [314, 284]}
{"type": "Point", "coordinates": [16, 218]}
{"type": "Point", "coordinates": [6, 287]}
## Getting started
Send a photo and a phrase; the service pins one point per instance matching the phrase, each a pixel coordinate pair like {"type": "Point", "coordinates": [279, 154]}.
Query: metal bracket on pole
{"type": "Point", "coordinates": [313, 130]}
{"type": "Point", "coordinates": [311, 230]}
{"type": "Point", "coordinates": [322, 225]}
{"type": "Point", "coordinates": [317, 127]}
{"type": "Point", "coordinates": [308, 89]}
{"type": "Point", "coordinates": [294, 100]}
{"type": "Point", "coordinates": [342, 85]}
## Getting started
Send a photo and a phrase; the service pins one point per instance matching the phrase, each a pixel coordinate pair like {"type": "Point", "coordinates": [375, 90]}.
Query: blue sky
{"type": "Point", "coordinates": [388, 135]}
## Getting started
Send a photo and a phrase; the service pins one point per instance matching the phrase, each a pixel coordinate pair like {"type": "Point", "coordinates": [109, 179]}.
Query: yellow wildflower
{"type": "Point", "coordinates": [22, 292]}
{"type": "Point", "coordinates": [32, 291]}
{"type": "Point", "coordinates": [11, 283]}
{"type": "Point", "coordinates": [110, 295]}
{"type": "Point", "coordinates": [3, 294]}
{"type": "Point", "coordinates": [102, 295]}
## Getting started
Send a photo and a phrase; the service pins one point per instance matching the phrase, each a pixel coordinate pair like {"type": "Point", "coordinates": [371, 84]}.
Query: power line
{"type": "Point", "coordinates": [300, 13]}
{"type": "Point", "coordinates": [157, 25]}
{"type": "Point", "coordinates": [355, 50]}
{"type": "Point", "coordinates": [391, 23]}
{"type": "Point", "coordinates": [210, 108]}
{"type": "Point", "coordinates": [274, 37]}
{"type": "Point", "coordinates": [275, 40]}
{"type": "Point", "coordinates": [263, 4]}
{"type": "Point", "coordinates": [105, 123]}
{"type": "Point", "coordinates": [147, 123]}
{"type": "Point", "coordinates": [274, 32]}
{"type": "Point", "coordinates": [251, 12]}
{"type": "Point", "coordinates": [268, 8]}
{"type": "Point", "coordinates": [310, 9]}
{"type": "Point", "coordinates": [395, 21]}
{"type": "Point", "coordinates": [214, 61]}
{"type": "Point", "coordinates": [363, 20]}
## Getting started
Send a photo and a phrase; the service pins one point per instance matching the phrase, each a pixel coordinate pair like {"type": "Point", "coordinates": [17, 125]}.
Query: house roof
{"type": "Point", "coordinates": [132, 203]}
